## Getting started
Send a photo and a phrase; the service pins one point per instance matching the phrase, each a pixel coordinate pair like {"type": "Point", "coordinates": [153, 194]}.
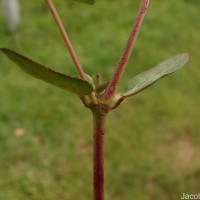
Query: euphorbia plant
{"type": "Point", "coordinates": [96, 95]}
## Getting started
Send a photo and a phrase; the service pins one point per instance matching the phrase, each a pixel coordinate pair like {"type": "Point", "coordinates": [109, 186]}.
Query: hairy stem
{"type": "Point", "coordinates": [69, 45]}
{"type": "Point", "coordinates": [98, 154]}
{"type": "Point", "coordinates": [110, 91]}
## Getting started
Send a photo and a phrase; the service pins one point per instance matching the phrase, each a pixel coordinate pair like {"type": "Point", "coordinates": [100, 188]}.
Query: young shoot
{"type": "Point", "coordinates": [96, 95]}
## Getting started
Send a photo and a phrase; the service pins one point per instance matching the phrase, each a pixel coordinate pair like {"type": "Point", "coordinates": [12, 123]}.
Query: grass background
{"type": "Point", "coordinates": [152, 140]}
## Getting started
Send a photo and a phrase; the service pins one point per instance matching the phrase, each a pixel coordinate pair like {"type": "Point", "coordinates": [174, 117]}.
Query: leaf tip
{"type": "Point", "coordinates": [4, 50]}
{"type": "Point", "coordinates": [185, 56]}
{"type": "Point", "coordinates": [181, 59]}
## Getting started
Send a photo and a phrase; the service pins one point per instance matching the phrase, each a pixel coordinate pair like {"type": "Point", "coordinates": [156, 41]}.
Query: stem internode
{"type": "Point", "coordinates": [110, 91]}
{"type": "Point", "coordinates": [98, 152]}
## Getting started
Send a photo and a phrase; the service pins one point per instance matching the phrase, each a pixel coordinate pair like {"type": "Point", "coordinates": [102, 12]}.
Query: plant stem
{"type": "Point", "coordinates": [98, 154]}
{"type": "Point", "coordinates": [110, 91]}
{"type": "Point", "coordinates": [66, 38]}
{"type": "Point", "coordinates": [69, 45]}
{"type": "Point", "coordinates": [118, 102]}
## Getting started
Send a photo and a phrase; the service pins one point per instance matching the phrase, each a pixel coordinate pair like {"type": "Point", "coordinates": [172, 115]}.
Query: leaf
{"type": "Point", "coordinates": [69, 83]}
{"type": "Point", "coordinates": [101, 87]}
{"type": "Point", "coordinates": [90, 80]}
{"type": "Point", "coordinates": [96, 79]}
{"type": "Point", "coordinates": [86, 1]}
{"type": "Point", "coordinates": [152, 75]}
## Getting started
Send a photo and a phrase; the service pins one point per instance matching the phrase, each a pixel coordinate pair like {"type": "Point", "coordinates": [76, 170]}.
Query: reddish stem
{"type": "Point", "coordinates": [66, 38]}
{"type": "Point", "coordinates": [109, 93]}
{"type": "Point", "coordinates": [98, 153]}
{"type": "Point", "coordinates": [119, 101]}
{"type": "Point", "coordinates": [69, 45]}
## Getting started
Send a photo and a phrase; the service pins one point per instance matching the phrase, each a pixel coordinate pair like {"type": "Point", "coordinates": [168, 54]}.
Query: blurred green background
{"type": "Point", "coordinates": [152, 140]}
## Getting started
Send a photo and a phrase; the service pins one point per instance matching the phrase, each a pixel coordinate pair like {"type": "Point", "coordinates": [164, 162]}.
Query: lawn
{"type": "Point", "coordinates": [152, 140]}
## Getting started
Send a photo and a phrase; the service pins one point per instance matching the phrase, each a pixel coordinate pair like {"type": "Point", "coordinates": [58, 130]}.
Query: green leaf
{"type": "Point", "coordinates": [70, 83]}
{"type": "Point", "coordinates": [101, 87]}
{"type": "Point", "coordinates": [86, 1]}
{"type": "Point", "coordinates": [90, 80]}
{"type": "Point", "coordinates": [150, 76]}
{"type": "Point", "coordinates": [96, 79]}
